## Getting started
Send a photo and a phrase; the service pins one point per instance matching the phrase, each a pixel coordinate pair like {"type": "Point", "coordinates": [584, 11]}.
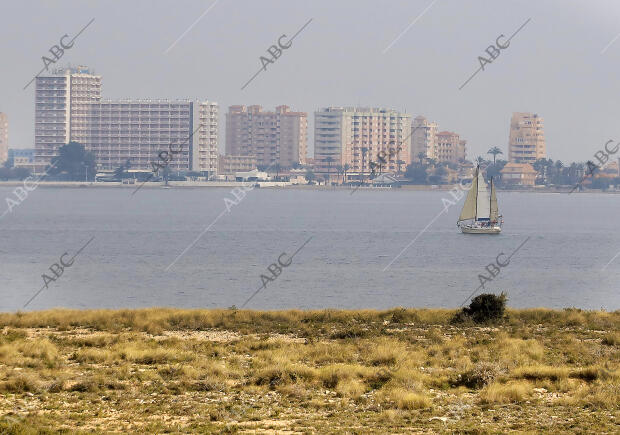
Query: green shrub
{"type": "Point", "coordinates": [484, 308]}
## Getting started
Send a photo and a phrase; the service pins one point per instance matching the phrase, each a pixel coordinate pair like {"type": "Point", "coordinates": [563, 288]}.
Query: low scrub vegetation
{"type": "Point", "coordinates": [328, 371]}
{"type": "Point", "coordinates": [483, 308]}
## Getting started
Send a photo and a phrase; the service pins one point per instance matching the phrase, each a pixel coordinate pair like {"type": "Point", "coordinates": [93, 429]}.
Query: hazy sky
{"type": "Point", "coordinates": [553, 67]}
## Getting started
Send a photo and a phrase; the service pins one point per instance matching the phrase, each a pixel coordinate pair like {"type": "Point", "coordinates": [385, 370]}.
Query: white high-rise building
{"type": "Point", "coordinates": [4, 138]}
{"type": "Point", "coordinates": [68, 107]}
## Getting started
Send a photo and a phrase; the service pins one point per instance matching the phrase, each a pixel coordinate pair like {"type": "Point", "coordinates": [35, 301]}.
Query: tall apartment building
{"type": "Point", "coordinates": [450, 147]}
{"type": "Point", "coordinates": [423, 138]}
{"type": "Point", "coordinates": [526, 142]}
{"type": "Point", "coordinates": [4, 138]}
{"type": "Point", "coordinates": [356, 135]}
{"type": "Point", "coordinates": [69, 107]}
{"type": "Point", "coordinates": [271, 137]}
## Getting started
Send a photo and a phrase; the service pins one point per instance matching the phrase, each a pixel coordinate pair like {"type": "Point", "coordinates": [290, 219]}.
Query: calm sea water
{"type": "Point", "coordinates": [354, 237]}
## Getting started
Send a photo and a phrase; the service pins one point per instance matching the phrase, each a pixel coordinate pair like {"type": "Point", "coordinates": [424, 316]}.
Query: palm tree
{"type": "Point", "coordinates": [495, 151]}
{"type": "Point", "coordinates": [329, 160]}
{"type": "Point", "coordinates": [278, 168]}
{"type": "Point", "coordinates": [166, 174]}
{"type": "Point", "coordinates": [380, 166]}
{"type": "Point", "coordinates": [119, 172]}
{"type": "Point", "coordinates": [540, 166]}
{"type": "Point", "coordinates": [580, 172]}
{"type": "Point", "coordinates": [573, 171]}
{"type": "Point", "coordinates": [364, 151]}
{"type": "Point", "coordinates": [310, 176]}
{"type": "Point", "coordinates": [479, 161]}
{"type": "Point", "coordinates": [339, 170]}
{"type": "Point", "coordinates": [398, 150]}
{"type": "Point", "coordinates": [557, 179]}
{"type": "Point", "coordinates": [345, 168]}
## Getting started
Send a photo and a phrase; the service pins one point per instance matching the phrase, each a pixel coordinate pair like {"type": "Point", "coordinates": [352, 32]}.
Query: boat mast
{"type": "Point", "coordinates": [490, 199]}
{"type": "Point", "coordinates": [477, 187]}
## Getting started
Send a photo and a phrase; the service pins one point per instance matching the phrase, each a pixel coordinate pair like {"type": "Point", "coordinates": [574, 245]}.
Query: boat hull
{"type": "Point", "coordinates": [481, 230]}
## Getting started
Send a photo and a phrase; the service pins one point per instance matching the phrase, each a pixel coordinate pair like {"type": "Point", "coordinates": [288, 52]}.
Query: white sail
{"type": "Point", "coordinates": [483, 202]}
{"type": "Point", "coordinates": [469, 208]}
{"type": "Point", "coordinates": [481, 207]}
{"type": "Point", "coordinates": [494, 207]}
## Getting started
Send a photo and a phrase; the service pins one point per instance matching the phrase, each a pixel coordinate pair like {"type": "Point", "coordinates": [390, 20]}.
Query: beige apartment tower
{"type": "Point", "coordinates": [355, 136]}
{"type": "Point", "coordinates": [279, 137]}
{"type": "Point", "coordinates": [4, 138]}
{"type": "Point", "coordinates": [450, 148]}
{"type": "Point", "coordinates": [423, 138]}
{"type": "Point", "coordinates": [526, 142]}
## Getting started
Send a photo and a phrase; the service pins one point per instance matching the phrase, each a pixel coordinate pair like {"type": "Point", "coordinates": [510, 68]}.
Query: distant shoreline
{"type": "Point", "coordinates": [283, 185]}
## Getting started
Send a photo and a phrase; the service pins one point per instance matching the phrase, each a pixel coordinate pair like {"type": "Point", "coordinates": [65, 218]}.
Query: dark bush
{"type": "Point", "coordinates": [484, 308]}
{"type": "Point", "coordinates": [398, 315]}
{"type": "Point", "coordinates": [349, 331]}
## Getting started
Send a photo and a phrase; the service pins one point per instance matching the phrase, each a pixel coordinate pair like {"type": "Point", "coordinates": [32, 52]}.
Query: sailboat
{"type": "Point", "coordinates": [480, 214]}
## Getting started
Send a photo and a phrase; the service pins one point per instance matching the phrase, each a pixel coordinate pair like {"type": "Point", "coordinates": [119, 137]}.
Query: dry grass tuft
{"type": "Point", "coordinates": [483, 373]}
{"type": "Point", "coordinates": [384, 351]}
{"type": "Point", "coordinates": [611, 339]}
{"type": "Point", "coordinates": [41, 350]}
{"type": "Point", "coordinates": [516, 351]}
{"type": "Point", "coordinates": [283, 375]}
{"type": "Point", "coordinates": [540, 372]}
{"type": "Point", "coordinates": [153, 356]}
{"type": "Point", "coordinates": [89, 355]}
{"type": "Point", "coordinates": [506, 393]}
{"type": "Point", "coordinates": [408, 400]}
{"type": "Point", "coordinates": [352, 388]}
{"type": "Point", "coordinates": [390, 416]}
{"type": "Point", "coordinates": [21, 383]}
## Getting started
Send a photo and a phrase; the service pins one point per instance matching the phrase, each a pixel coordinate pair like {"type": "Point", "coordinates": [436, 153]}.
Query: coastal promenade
{"type": "Point", "coordinates": [285, 184]}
